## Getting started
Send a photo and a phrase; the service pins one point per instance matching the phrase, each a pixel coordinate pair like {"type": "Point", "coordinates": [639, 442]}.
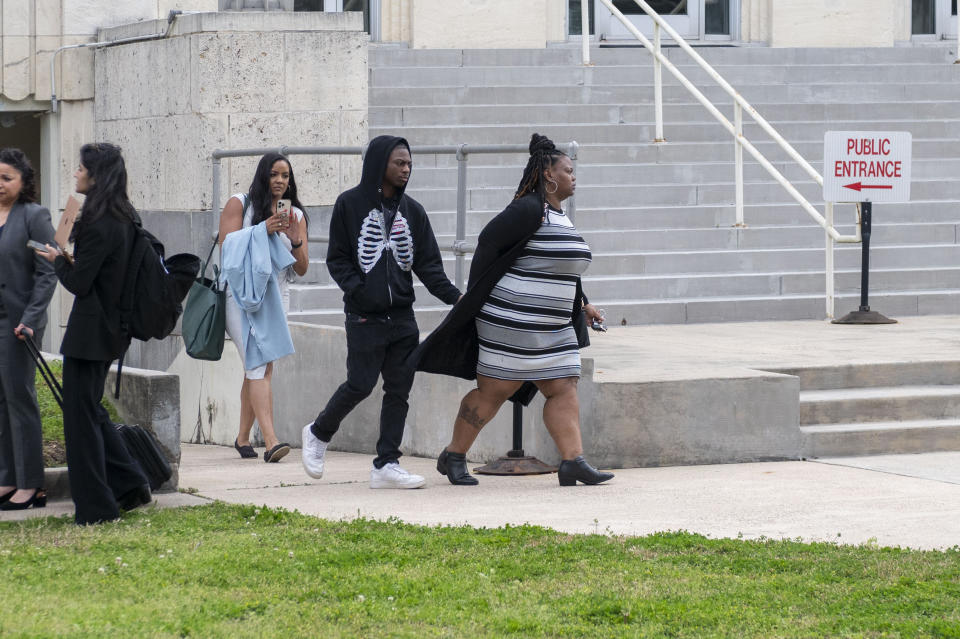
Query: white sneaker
{"type": "Point", "coordinates": [392, 476]}
{"type": "Point", "coordinates": [313, 451]}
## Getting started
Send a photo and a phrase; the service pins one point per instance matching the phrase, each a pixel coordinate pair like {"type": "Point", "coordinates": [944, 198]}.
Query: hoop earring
{"type": "Point", "coordinates": [555, 187]}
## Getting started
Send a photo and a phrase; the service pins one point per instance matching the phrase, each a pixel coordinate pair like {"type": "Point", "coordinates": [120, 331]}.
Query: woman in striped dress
{"type": "Point", "coordinates": [515, 323]}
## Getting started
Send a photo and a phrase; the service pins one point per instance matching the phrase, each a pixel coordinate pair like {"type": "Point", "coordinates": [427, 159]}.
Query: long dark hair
{"type": "Point", "coordinates": [107, 194]}
{"type": "Point", "coordinates": [543, 155]}
{"type": "Point", "coordinates": [19, 161]}
{"type": "Point", "coordinates": [259, 194]}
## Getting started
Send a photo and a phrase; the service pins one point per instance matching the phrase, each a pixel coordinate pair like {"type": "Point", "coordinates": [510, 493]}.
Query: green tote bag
{"type": "Point", "coordinates": [204, 318]}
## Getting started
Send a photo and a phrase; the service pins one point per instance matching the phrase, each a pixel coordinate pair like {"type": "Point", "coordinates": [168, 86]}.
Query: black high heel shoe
{"type": "Point", "coordinates": [454, 466]}
{"type": "Point", "coordinates": [573, 470]}
{"type": "Point", "coordinates": [5, 497]}
{"type": "Point", "coordinates": [37, 500]}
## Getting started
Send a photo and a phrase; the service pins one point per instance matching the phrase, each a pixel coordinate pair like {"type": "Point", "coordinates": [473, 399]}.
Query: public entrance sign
{"type": "Point", "coordinates": [861, 166]}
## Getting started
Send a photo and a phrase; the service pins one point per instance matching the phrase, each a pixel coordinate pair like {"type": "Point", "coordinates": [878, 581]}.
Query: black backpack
{"type": "Point", "coordinates": [153, 290]}
{"type": "Point", "coordinates": [154, 287]}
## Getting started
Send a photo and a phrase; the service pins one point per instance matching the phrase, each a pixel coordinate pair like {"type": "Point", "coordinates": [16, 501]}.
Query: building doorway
{"type": "Point", "coordinates": [369, 8]}
{"type": "Point", "coordinates": [934, 19]}
{"type": "Point", "coordinates": [692, 19]}
{"type": "Point", "coordinates": [22, 130]}
{"type": "Point", "coordinates": [950, 17]}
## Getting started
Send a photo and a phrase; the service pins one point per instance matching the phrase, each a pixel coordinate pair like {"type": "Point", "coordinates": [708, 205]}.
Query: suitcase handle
{"type": "Point", "coordinates": [45, 371]}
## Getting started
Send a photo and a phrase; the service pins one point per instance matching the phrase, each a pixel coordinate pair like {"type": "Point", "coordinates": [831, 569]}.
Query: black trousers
{"type": "Point", "coordinates": [374, 347]}
{"type": "Point", "coordinates": [100, 468]}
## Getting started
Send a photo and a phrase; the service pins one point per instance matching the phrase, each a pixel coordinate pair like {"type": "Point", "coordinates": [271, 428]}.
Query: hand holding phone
{"type": "Point", "coordinates": [36, 246]}
{"type": "Point", "coordinates": [283, 209]}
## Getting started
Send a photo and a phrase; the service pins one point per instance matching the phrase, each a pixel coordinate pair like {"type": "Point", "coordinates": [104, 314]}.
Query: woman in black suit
{"type": "Point", "coordinates": [104, 478]}
{"type": "Point", "coordinates": [26, 286]}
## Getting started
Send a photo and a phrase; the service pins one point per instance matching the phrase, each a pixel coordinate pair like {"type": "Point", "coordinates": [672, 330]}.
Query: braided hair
{"type": "Point", "coordinates": [543, 155]}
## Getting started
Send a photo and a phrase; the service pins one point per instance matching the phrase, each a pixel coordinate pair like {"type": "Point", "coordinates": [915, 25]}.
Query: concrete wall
{"type": "Point", "coordinates": [234, 80]}
{"type": "Point", "coordinates": [745, 417]}
{"type": "Point", "coordinates": [478, 24]}
{"type": "Point", "coordinates": [31, 30]}
{"type": "Point", "coordinates": [852, 23]}
{"type": "Point", "coordinates": [151, 399]}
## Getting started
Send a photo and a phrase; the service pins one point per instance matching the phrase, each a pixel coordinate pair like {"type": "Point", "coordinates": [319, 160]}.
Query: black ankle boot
{"type": "Point", "coordinates": [454, 466]}
{"type": "Point", "coordinates": [573, 470]}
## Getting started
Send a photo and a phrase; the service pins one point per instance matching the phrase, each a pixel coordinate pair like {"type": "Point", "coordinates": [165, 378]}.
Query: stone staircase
{"type": "Point", "coordinates": [660, 217]}
{"type": "Point", "coordinates": [879, 408]}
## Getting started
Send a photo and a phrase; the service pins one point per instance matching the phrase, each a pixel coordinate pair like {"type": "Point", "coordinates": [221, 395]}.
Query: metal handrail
{"type": "Point", "coordinates": [736, 130]}
{"type": "Point", "coordinates": [460, 247]}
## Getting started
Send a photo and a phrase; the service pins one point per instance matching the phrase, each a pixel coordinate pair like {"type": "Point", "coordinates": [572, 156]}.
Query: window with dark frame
{"type": "Point", "coordinates": [924, 16]}
{"type": "Point", "coordinates": [716, 19]}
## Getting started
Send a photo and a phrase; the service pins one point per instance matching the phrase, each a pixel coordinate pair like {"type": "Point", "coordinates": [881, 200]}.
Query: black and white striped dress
{"type": "Point", "coordinates": [525, 327]}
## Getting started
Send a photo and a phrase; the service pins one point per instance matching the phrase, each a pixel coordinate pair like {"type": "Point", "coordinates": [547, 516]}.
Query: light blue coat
{"type": "Point", "coordinates": [251, 260]}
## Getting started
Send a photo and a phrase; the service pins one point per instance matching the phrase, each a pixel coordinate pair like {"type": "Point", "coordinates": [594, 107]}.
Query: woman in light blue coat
{"type": "Point", "coordinates": [252, 301]}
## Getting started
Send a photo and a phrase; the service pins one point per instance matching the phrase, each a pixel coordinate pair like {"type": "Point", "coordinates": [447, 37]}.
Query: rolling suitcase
{"type": "Point", "coordinates": [140, 443]}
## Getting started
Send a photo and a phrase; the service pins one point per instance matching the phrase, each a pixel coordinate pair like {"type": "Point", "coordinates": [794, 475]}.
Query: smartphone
{"type": "Point", "coordinates": [35, 245]}
{"type": "Point", "coordinates": [283, 208]}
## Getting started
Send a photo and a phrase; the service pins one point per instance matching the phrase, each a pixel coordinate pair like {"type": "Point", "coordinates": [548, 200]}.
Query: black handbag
{"type": "Point", "coordinates": [204, 317]}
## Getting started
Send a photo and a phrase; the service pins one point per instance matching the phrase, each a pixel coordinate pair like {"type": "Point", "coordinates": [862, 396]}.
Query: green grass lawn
{"type": "Point", "coordinates": [237, 571]}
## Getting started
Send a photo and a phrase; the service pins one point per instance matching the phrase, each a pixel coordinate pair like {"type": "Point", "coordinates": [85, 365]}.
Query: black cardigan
{"type": "Point", "coordinates": [453, 347]}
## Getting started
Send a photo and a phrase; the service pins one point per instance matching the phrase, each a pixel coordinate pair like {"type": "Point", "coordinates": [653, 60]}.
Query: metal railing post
{"type": "Point", "coordinates": [572, 151]}
{"type": "Point", "coordinates": [585, 30]}
{"type": "Point", "coordinates": [738, 160]}
{"type": "Point", "coordinates": [215, 196]}
{"type": "Point", "coordinates": [658, 84]}
{"type": "Point", "coordinates": [958, 37]}
{"type": "Point", "coordinates": [461, 215]}
{"type": "Point", "coordinates": [828, 211]}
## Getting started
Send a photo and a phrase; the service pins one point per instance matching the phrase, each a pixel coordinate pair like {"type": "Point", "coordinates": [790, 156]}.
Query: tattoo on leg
{"type": "Point", "coordinates": [470, 416]}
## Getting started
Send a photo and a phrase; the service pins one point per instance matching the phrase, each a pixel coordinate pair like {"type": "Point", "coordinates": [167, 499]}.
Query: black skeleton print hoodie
{"type": "Point", "coordinates": [372, 265]}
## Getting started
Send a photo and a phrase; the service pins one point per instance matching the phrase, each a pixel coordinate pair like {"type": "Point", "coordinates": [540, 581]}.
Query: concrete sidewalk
{"type": "Point", "coordinates": [894, 500]}
{"type": "Point", "coordinates": [906, 500]}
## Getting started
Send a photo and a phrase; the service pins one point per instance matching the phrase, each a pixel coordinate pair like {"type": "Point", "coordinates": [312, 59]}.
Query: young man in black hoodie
{"type": "Point", "coordinates": [372, 266]}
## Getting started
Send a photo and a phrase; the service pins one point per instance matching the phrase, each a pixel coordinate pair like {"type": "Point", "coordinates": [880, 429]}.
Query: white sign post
{"type": "Point", "coordinates": [866, 167]}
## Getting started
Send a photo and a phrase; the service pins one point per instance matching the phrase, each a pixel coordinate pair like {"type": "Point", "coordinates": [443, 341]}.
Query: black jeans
{"type": "Point", "coordinates": [100, 468]}
{"type": "Point", "coordinates": [375, 346]}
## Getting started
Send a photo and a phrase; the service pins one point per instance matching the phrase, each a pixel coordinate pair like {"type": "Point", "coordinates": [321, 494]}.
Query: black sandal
{"type": "Point", "coordinates": [276, 453]}
{"type": "Point", "coordinates": [247, 452]}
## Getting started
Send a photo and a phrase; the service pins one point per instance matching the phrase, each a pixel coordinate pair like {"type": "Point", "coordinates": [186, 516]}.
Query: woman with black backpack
{"type": "Point", "coordinates": [104, 478]}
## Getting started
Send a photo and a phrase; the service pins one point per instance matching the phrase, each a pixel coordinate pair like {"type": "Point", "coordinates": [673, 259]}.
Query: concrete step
{"type": "Point", "coordinates": [493, 114]}
{"type": "Point", "coordinates": [882, 403]}
{"type": "Point", "coordinates": [783, 212]}
{"type": "Point", "coordinates": [640, 91]}
{"type": "Point", "coordinates": [880, 438]}
{"type": "Point", "coordinates": [322, 293]}
{"type": "Point", "coordinates": [787, 260]}
{"type": "Point", "coordinates": [607, 133]}
{"type": "Point", "coordinates": [754, 237]}
{"type": "Point", "coordinates": [628, 312]}
{"type": "Point", "coordinates": [928, 373]}
{"type": "Point", "coordinates": [666, 194]}
{"type": "Point", "coordinates": [483, 175]}
{"type": "Point", "coordinates": [388, 55]}
{"type": "Point", "coordinates": [735, 74]}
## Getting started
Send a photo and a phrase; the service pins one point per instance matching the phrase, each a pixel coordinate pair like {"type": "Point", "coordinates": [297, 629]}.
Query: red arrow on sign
{"type": "Point", "coordinates": [856, 186]}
